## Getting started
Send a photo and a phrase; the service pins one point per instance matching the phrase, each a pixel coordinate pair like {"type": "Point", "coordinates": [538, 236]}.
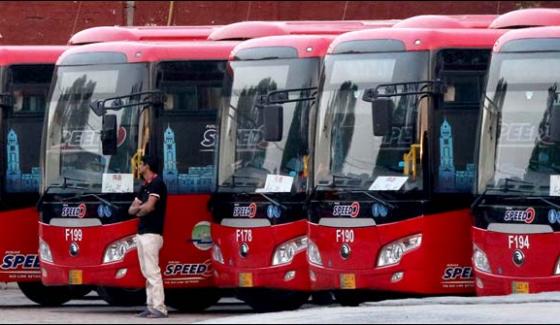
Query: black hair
{"type": "Point", "coordinates": [152, 162]}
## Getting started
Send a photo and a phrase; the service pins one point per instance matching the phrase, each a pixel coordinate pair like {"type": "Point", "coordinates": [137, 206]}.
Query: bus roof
{"type": "Point", "coordinates": [133, 52]}
{"type": "Point", "coordinates": [416, 39]}
{"type": "Point", "coordinates": [252, 29]}
{"type": "Point", "coordinates": [527, 18]}
{"type": "Point", "coordinates": [451, 21]}
{"type": "Point", "coordinates": [25, 54]}
{"type": "Point", "coordinates": [140, 33]}
{"type": "Point", "coordinates": [504, 43]}
{"type": "Point", "coordinates": [305, 45]}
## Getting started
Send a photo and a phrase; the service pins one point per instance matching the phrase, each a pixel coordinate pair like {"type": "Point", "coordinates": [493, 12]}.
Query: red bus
{"type": "Point", "coordinates": [393, 162]}
{"type": "Point", "coordinates": [25, 76]}
{"type": "Point", "coordinates": [259, 233]}
{"type": "Point", "coordinates": [517, 212]}
{"type": "Point", "coordinates": [85, 232]}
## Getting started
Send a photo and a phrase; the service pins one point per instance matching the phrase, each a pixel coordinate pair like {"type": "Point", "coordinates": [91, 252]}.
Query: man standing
{"type": "Point", "coordinates": [149, 205]}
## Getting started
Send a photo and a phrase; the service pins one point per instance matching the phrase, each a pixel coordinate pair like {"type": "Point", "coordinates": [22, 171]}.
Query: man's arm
{"type": "Point", "coordinates": [148, 206]}
{"type": "Point", "coordinates": [134, 207]}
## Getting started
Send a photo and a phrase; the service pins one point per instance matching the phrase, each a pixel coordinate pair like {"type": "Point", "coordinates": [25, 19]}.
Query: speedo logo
{"type": "Point", "coordinates": [248, 211]}
{"type": "Point", "coordinates": [527, 216]}
{"type": "Point", "coordinates": [352, 210]}
{"type": "Point", "coordinates": [20, 261]}
{"type": "Point", "coordinates": [79, 211]}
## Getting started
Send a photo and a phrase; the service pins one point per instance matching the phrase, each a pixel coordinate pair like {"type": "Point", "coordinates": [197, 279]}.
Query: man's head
{"type": "Point", "coordinates": [149, 165]}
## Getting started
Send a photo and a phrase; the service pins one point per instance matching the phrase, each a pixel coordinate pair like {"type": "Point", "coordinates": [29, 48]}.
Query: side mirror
{"type": "Point", "coordinates": [555, 123]}
{"type": "Point", "coordinates": [109, 135]}
{"type": "Point", "coordinates": [273, 116]}
{"type": "Point", "coordinates": [382, 113]}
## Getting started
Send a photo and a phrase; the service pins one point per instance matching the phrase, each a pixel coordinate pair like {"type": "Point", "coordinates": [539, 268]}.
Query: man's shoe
{"type": "Point", "coordinates": [156, 314]}
{"type": "Point", "coordinates": [144, 313]}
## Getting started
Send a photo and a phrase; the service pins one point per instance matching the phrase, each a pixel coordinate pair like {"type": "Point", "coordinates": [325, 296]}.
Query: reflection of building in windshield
{"type": "Point", "coordinates": [451, 179]}
{"type": "Point", "coordinates": [15, 180]}
{"type": "Point", "coordinates": [197, 179]}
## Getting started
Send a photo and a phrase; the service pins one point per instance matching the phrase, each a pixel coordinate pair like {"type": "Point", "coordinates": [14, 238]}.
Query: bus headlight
{"type": "Point", "coordinates": [313, 254]}
{"type": "Point", "coordinates": [557, 270]}
{"type": "Point", "coordinates": [392, 253]}
{"type": "Point", "coordinates": [285, 253]}
{"type": "Point", "coordinates": [45, 251]}
{"type": "Point", "coordinates": [217, 254]}
{"type": "Point", "coordinates": [480, 260]}
{"type": "Point", "coordinates": [117, 250]}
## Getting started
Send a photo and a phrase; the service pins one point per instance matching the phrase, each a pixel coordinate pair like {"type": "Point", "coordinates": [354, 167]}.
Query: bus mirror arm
{"type": "Point", "coordinates": [155, 98]}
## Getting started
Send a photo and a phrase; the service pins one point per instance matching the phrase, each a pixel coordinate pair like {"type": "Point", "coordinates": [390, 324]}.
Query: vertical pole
{"type": "Point", "coordinates": [130, 13]}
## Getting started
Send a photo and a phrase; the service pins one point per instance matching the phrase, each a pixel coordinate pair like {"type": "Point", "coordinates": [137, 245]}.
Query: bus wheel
{"type": "Point", "coordinates": [192, 300]}
{"type": "Point", "coordinates": [267, 300]}
{"type": "Point", "coordinates": [122, 296]}
{"type": "Point", "coordinates": [349, 298]}
{"type": "Point", "coordinates": [80, 291]}
{"type": "Point", "coordinates": [46, 296]}
{"type": "Point", "coordinates": [322, 298]}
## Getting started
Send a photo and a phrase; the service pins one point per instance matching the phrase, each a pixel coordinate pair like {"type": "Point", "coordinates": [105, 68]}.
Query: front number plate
{"type": "Point", "coordinates": [75, 277]}
{"type": "Point", "coordinates": [519, 287]}
{"type": "Point", "coordinates": [348, 281]}
{"type": "Point", "coordinates": [245, 280]}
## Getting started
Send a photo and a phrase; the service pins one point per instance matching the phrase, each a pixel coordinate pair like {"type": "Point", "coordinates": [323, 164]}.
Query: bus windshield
{"type": "Point", "coordinates": [73, 145]}
{"type": "Point", "coordinates": [348, 154]}
{"type": "Point", "coordinates": [517, 154]}
{"type": "Point", "coordinates": [246, 159]}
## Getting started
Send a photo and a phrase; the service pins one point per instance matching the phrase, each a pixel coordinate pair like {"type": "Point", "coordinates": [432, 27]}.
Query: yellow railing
{"type": "Point", "coordinates": [410, 158]}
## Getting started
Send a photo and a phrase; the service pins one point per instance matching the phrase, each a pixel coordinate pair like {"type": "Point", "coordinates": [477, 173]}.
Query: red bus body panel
{"type": "Point", "coordinates": [259, 260]}
{"type": "Point", "coordinates": [19, 245]}
{"type": "Point", "coordinates": [184, 262]}
{"type": "Point", "coordinates": [19, 242]}
{"type": "Point", "coordinates": [432, 268]}
{"type": "Point", "coordinates": [537, 270]}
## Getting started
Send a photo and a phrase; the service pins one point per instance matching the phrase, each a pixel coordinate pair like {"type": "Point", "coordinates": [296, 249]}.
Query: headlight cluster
{"type": "Point", "coordinates": [45, 251]}
{"type": "Point", "coordinates": [480, 260]}
{"type": "Point", "coordinates": [285, 253]}
{"type": "Point", "coordinates": [313, 253]}
{"type": "Point", "coordinates": [117, 250]}
{"type": "Point", "coordinates": [217, 254]}
{"type": "Point", "coordinates": [392, 253]}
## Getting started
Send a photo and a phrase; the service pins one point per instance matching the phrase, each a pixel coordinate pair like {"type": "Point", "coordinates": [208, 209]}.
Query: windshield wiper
{"type": "Point", "coordinates": [99, 107]}
{"type": "Point", "coordinates": [426, 87]}
{"type": "Point", "coordinates": [83, 195]}
{"type": "Point", "coordinates": [540, 198]}
{"type": "Point", "coordinates": [283, 96]}
{"type": "Point", "coordinates": [504, 188]}
{"type": "Point", "coordinates": [370, 195]}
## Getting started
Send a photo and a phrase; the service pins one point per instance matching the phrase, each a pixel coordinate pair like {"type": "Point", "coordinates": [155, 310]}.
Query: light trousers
{"type": "Point", "coordinates": [148, 246]}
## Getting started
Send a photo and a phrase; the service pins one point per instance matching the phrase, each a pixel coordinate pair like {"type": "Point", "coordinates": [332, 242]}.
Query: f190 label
{"type": "Point", "coordinates": [20, 261]}
{"type": "Point", "coordinates": [352, 210]}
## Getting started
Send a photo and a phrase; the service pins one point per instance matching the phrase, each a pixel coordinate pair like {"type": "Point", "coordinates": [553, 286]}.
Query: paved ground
{"type": "Point", "coordinates": [15, 308]}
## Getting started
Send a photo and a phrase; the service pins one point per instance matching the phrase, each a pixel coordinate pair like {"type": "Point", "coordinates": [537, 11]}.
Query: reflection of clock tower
{"type": "Point", "coordinates": [13, 172]}
{"type": "Point", "coordinates": [446, 165]}
{"type": "Point", "coordinates": [170, 173]}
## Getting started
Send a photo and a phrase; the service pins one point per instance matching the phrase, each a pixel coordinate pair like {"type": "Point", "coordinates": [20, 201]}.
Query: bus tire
{"type": "Point", "coordinates": [269, 300]}
{"type": "Point", "coordinates": [122, 296]}
{"type": "Point", "coordinates": [349, 298]}
{"type": "Point", "coordinates": [46, 296]}
{"type": "Point", "coordinates": [192, 300]}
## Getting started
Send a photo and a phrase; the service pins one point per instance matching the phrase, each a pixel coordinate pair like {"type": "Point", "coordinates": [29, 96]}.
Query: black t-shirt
{"type": "Point", "coordinates": [152, 223]}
